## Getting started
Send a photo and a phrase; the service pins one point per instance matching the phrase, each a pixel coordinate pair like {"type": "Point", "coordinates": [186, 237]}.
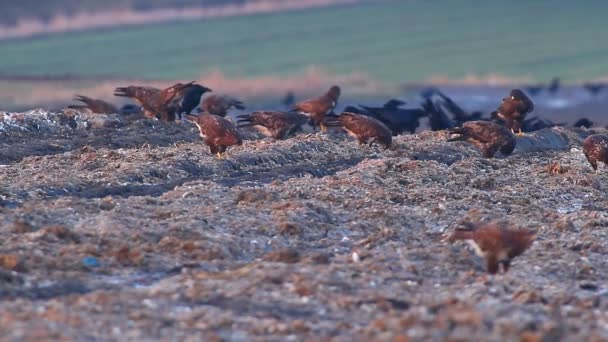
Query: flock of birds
{"type": "Point", "coordinates": [496, 242]}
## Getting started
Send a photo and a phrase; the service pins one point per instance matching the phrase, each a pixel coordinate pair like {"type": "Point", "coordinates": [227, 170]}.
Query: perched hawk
{"type": "Point", "coordinates": [278, 125]}
{"type": "Point", "coordinates": [220, 104]}
{"type": "Point", "coordinates": [319, 107]}
{"type": "Point", "coordinates": [93, 105]}
{"type": "Point", "coordinates": [488, 136]}
{"type": "Point", "coordinates": [513, 110]}
{"type": "Point", "coordinates": [363, 128]}
{"type": "Point", "coordinates": [156, 103]}
{"type": "Point", "coordinates": [595, 148]}
{"type": "Point", "coordinates": [218, 133]}
{"type": "Point", "coordinates": [496, 243]}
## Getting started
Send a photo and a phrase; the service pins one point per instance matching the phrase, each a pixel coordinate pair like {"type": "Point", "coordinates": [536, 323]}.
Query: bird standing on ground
{"type": "Point", "coordinates": [554, 85]}
{"type": "Point", "coordinates": [220, 104]}
{"type": "Point", "coordinates": [156, 103]}
{"type": "Point", "coordinates": [95, 106]}
{"type": "Point", "coordinates": [594, 88]}
{"type": "Point", "coordinates": [398, 120]}
{"type": "Point", "coordinates": [583, 123]}
{"type": "Point", "coordinates": [488, 136]}
{"type": "Point", "coordinates": [363, 128]}
{"type": "Point", "coordinates": [289, 100]}
{"type": "Point", "coordinates": [187, 99]}
{"type": "Point", "coordinates": [496, 243]}
{"type": "Point", "coordinates": [595, 148]}
{"type": "Point", "coordinates": [513, 110]}
{"type": "Point", "coordinates": [317, 108]}
{"type": "Point", "coordinates": [278, 125]}
{"type": "Point", "coordinates": [217, 132]}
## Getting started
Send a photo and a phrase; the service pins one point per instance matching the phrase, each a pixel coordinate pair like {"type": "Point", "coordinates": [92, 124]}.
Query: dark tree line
{"type": "Point", "coordinates": [12, 11]}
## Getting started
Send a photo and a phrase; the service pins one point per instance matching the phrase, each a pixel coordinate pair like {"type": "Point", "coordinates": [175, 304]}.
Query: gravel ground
{"type": "Point", "coordinates": [116, 230]}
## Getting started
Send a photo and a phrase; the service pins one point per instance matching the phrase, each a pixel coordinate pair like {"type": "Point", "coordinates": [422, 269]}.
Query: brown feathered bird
{"type": "Point", "coordinates": [488, 136]}
{"type": "Point", "coordinates": [220, 104]}
{"type": "Point", "coordinates": [155, 103]}
{"type": "Point", "coordinates": [278, 125]}
{"type": "Point", "coordinates": [363, 128]}
{"type": "Point", "coordinates": [514, 108]}
{"type": "Point", "coordinates": [595, 148]}
{"type": "Point", "coordinates": [495, 242]}
{"type": "Point", "coordinates": [95, 106]}
{"type": "Point", "coordinates": [317, 108]}
{"type": "Point", "coordinates": [217, 132]}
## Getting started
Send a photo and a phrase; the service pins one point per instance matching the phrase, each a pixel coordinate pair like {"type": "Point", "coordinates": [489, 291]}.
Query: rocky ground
{"type": "Point", "coordinates": [116, 230]}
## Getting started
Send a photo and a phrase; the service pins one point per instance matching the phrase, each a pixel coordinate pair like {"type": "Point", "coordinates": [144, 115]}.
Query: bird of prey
{"type": "Point", "coordinates": [278, 125]}
{"type": "Point", "coordinates": [363, 128]}
{"type": "Point", "coordinates": [594, 88]}
{"type": "Point", "coordinates": [95, 106]}
{"type": "Point", "coordinates": [583, 122]}
{"type": "Point", "coordinates": [155, 103]}
{"type": "Point", "coordinates": [514, 108]}
{"type": "Point", "coordinates": [217, 132]}
{"type": "Point", "coordinates": [397, 119]}
{"type": "Point", "coordinates": [495, 242]}
{"type": "Point", "coordinates": [487, 136]}
{"type": "Point", "coordinates": [595, 148]}
{"type": "Point", "coordinates": [220, 104]}
{"type": "Point", "coordinates": [317, 108]}
{"type": "Point", "coordinates": [187, 99]}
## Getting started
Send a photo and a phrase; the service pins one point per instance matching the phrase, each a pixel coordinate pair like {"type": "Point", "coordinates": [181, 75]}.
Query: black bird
{"type": "Point", "coordinates": [536, 124]}
{"type": "Point", "coordinates": [554, 85]}
{"type": "Point", "coordinates": [289, 100]}
{"type": "Point", "coordinates": [438, 119]}
{"type": "Point", "coordinates": [594, 88]}
{"type": "Point", "coordinates": [397, 119]}
{"type": "Point", "coordinates": [459, 115]}
{"type": "Point", "coordinates": [584, 122]}
{"type": "Point", "coordinates": [188, 99]}
{"type": "Point", "coordinates": [356, 110]}
{"type": "Point", "coordinates": [428, 92]}
{"type": "Point", "coordinates": [534, 90]}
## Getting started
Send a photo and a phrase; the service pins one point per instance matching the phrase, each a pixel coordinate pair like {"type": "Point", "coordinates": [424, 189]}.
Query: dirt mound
{"type": "Point", "coordinates": [134, 230]}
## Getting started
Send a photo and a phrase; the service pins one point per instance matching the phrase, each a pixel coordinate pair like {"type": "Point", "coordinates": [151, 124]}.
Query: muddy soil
{"type": "Point", "coordinates": [118, 230]}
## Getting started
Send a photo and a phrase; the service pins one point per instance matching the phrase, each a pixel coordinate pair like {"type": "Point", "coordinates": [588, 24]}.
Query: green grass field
{"type": "Point", "coordinates": [393, 42]}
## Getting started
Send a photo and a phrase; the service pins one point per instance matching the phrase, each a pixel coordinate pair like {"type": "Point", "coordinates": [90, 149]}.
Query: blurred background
{"type": "Point", "coordinates": [260, 49]}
